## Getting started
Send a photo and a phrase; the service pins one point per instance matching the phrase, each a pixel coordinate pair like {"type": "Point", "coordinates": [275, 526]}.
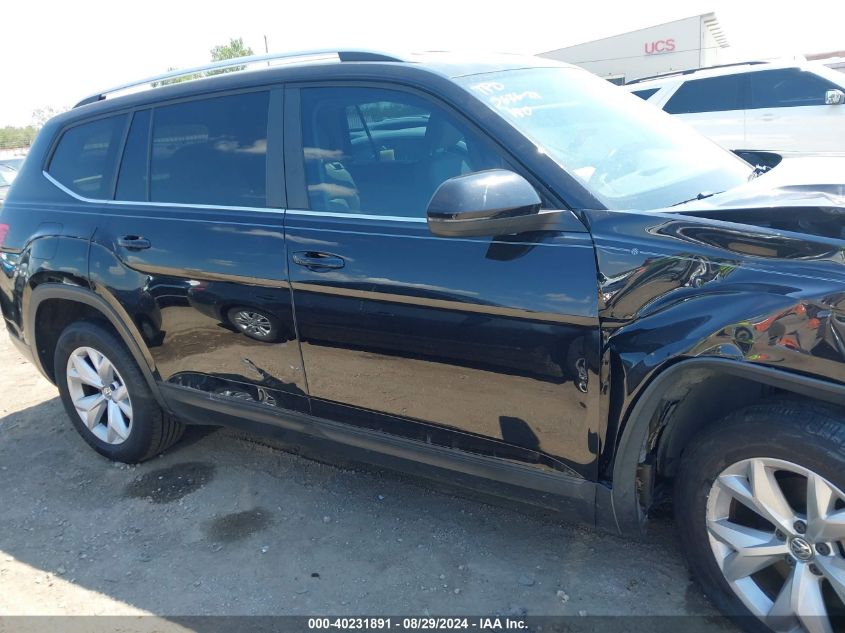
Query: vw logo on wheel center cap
{"type": "Point", "coordinates": [800, 548]}
{"type": "Point", "coordinates": [107, 392]}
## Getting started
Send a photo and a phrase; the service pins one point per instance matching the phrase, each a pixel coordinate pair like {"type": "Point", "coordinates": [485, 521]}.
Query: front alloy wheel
{"type": "Point", "coordinates": [776, 530]}
{"type": "Point", "coordinates": [760, 504]}
{"type": "Point", "coordinates": [99, 395]}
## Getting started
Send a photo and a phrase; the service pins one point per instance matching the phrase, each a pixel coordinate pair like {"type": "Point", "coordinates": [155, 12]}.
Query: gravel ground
{"type": "Point", "coordinates": [224, 524]}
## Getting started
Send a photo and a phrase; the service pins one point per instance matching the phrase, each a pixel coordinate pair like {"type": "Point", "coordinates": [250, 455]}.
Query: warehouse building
{"type": "Point", "coordinates": [693, 42]}
{"type": "Point", "coordinates": [835, 59]}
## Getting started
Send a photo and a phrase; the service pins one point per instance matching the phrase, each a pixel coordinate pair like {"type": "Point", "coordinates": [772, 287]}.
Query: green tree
{"type": "Point", "coordinates": [41, 115]}
{"type": "Point", "coordinates": [234, 49]}
{"type": "Point", "coordinates": [22, 137]}
{"type": "Point", "coordinates": [17, 137]}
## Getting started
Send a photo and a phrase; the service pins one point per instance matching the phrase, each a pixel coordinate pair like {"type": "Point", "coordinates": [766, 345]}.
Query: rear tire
{"type": "Point", "coordinates": [107, 397]}
{"type": "Point", "coordinates": [744, 505]}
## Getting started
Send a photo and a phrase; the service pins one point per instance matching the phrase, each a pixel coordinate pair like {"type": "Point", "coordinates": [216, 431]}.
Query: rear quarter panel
{"type": "Point", "coordinates": [48, 235]}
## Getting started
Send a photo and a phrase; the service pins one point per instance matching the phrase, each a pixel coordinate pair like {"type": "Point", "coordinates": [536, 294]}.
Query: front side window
{"type": "Point", "coordinates": [716, 94]}
{"type": "Point", "coordinates": [211, 151]}
{"type": "Point", "coordinates": [625, 152]}
{"type": "Point", "coordinates": [383, 152]}
{"type": "Point", "coordinates": [788, 88]}
{"type": "Point", "coordinates": [85, 158]}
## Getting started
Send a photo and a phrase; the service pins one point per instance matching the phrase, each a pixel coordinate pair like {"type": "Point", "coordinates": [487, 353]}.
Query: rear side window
{"type": "Point", "coordinates": [645, 94]}
{"type": "Point", "coordinates": [85, 158]}
{"type": "Point", "coordinates": [715, 94]}
{"type": "Point", "coordinates": [211, 151]}
{"type": "Point", "coordinates": [787, 88]}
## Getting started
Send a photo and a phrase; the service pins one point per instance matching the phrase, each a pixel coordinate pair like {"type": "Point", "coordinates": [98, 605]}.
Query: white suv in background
{"type": "Point", "coordinates": [756, 105]}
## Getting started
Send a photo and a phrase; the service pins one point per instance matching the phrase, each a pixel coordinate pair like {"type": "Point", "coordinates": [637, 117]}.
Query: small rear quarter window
{"type": "Point", "coordinates": [84, 161]}
{"type": "Point", "coordinates": [645, 94]}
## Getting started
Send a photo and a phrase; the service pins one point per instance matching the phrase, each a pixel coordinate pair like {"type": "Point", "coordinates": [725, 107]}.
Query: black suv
{"type": "Point", "coordinates": [506, 272]}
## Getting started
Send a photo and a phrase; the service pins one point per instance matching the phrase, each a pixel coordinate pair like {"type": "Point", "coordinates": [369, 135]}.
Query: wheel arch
{"type": "Point", "coordinates": [679, 401]}
{"type": "Point", "coordinates": [90, 304]}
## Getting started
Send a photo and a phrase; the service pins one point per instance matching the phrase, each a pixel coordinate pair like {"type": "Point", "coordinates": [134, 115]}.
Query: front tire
{"type": "Point", "coordinates": [107, 398]}
{"type": "Point", "coordinates": [760, 503]}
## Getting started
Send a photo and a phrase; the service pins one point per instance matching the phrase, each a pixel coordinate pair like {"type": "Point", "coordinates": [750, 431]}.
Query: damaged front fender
{"type": "Point", "coordinates": [674, 288]}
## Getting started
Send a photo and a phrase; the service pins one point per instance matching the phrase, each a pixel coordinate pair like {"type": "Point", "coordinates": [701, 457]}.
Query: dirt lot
{"type": "Point", "coordinates": [223, 525]}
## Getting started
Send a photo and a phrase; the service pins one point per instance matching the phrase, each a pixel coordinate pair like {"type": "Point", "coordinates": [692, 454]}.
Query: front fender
{"type": "Point", "coordinates": [744, 300]}
{"type": "Point", "coordinates": [627, 513]}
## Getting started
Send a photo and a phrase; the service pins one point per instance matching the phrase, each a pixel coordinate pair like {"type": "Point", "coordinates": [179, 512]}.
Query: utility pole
{"type": "Point", "coordinates": [266, 49]}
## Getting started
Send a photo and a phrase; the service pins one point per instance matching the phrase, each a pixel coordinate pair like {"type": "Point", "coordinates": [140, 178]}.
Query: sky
{"type": "Point", "coordinates": [54, 53]}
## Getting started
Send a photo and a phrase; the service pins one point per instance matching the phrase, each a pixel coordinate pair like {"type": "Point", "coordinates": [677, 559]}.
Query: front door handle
{"type": "Point", "coordinates": [133, 242]}
{"type": "Point", "coordinates": [317, 261]}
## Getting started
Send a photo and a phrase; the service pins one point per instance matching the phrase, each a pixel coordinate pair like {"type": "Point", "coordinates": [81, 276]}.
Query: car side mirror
{"type": "Point", "coordinates": [834, 97]}
{"type": "Point", "coordinates": [486, 203]}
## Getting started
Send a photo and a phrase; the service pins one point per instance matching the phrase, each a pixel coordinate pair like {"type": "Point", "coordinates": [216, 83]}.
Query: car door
{"type": "Point", "coordinates": [714, 106]}
{"type": "Point", "coordinates": [787, 111]}
{"type": "Point", "coordinates": [489, 345]}
{"type": "Point", "coordinates": [192, 250]}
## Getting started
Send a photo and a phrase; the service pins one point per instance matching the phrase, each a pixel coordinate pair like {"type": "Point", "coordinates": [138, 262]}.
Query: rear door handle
{"type": "Point", "coordinates": [133, 242]}
{"type": "Point", "coordinates": [317, 261]}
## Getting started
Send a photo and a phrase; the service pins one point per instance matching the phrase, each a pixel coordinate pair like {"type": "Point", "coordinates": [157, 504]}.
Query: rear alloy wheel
{"type": "Point", "coordinates": [775, 530]}
{"type": "Point", "coordinates": [760, 503]}
{"type": "Point", "coordinates": [108, 398]}
{"type": "Point", "coordinates": [99, 395]}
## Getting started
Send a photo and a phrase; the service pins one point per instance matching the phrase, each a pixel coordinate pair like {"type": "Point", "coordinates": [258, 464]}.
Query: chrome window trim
{"type": "Point", "coordinates": [355, 216]}
{"type": "Point", "coordinates": [185, 205]}
{"type": "Point", "coordinates": [140, 203]}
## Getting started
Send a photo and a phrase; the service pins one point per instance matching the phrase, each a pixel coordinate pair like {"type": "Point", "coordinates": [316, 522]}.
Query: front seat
{"type": "Point", "coordinates": [448, 156]}
{"type": "Point", "coordinates": [331, 186]}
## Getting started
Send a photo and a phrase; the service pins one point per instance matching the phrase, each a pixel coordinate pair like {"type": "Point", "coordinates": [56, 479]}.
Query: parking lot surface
{"type": "Point", "coordinates": [224, 524]}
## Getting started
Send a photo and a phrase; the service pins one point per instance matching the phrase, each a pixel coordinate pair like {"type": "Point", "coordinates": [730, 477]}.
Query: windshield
{"type": "Point", "coordinates": [627, 153]}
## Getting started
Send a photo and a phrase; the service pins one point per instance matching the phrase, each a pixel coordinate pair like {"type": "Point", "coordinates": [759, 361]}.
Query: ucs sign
{"type": "Point", "coordinates": [659, 46]}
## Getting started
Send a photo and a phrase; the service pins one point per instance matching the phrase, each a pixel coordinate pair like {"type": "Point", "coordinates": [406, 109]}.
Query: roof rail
{"type": "Point", "coordinates": [691, 71]}
{"type": "Point", "coordinates": [342, 55]}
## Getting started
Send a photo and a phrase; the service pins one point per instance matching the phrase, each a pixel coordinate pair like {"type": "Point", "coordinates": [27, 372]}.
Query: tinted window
{"type": "Point", "coordinates": [132, 179]}
{"type": "Point", "coordinates": [84, 160]}
{"type": "Point", "coordinates": [787, 88]}
{"type": "Point", "coordinates": [383, 152]}
{"type": "Point", "coordinates": [645, 94]}
{"type": "Point", "coordinates": [211, 151]}
{"type": "Point", "coordinates": [715, 94]}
